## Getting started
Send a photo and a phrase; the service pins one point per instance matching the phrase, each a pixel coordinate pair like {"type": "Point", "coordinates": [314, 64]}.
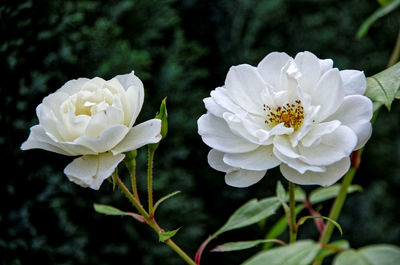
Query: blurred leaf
{"type": "Point", "coordinates": [370, 255]}
{"type": "Point", "coordinates": [164, 236]}
{"type": "Point", "coordinates": [250, 213]}
{"type": "Point", "coordinates": [323, 194]}
{"type": "Point", "coordinates": [332, 248]}
{"type": "Point", "coordinates": [299, 194]}
{"type": "Point", "coordinates": [301, 252]}
{"type": "Point", "coordinates": [385, 2]}
{"type": "Point", "coordinates": [380, 12]}
{"type": "Point", "coordinates": [384, 86]}
{"type": "Point", "coordinates": [305, 218]}
{"type": "Point", "coordinates": [280, 192]}
{"type": "Point", "coordinates": [164, 198]}
{"type": "Point", "coordinates": [240, 245]}
{"type": "Point", "coordinates": [279, 227]}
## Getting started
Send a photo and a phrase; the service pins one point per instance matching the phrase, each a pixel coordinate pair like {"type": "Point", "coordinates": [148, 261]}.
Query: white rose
{"type": "Point", "coordinates": [93, 118]}
{"type": "Point", "coordinates": [300, 114]}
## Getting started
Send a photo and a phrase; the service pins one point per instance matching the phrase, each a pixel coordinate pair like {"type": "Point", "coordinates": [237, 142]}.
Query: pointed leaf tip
{"type": "Point", "coordinates": [164, 236]}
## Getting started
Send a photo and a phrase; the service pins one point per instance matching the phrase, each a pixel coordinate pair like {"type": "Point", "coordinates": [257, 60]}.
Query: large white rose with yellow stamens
{"type": "Point", "coordinates": [93, 119]}
{"type": "Point", "coordinates": [300, 114]}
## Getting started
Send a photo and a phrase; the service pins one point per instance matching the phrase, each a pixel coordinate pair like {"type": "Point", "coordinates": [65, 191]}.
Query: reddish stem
{"type": "Point", "coordinates": [197, 257]}
{"type": "Point", "coordinates": [318, 222]}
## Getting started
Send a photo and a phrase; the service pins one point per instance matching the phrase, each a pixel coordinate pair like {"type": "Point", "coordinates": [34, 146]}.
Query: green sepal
{"type": "Point", "coordinates": [130, 160]}
{"type": "Point", "coordinates": [163, 116]}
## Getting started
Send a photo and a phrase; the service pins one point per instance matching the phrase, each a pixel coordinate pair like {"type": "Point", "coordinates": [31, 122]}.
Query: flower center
{"type": "Point", "coordinates": [292, 115]}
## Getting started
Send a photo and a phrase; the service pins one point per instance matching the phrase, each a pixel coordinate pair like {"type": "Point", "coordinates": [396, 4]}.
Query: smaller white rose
{"type": "Point", "coordinates": [297, 113]}
{"type": "Point", "coordinates": [93, 118]}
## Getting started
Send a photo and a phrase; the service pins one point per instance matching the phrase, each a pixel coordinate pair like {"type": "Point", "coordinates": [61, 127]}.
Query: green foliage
{"type": "Point", "coordinates": [250, 213]}
{"type": "Point", "coordinates": [383, 87]}
{"type": "Point", "coordinates": [302, 252]}
{"type": "Point", "coordinates": [164, 236]}
{"type": "Point", "coordinates": [234, 246]}
{"type": "Point", "coordinates": [333, 248]}
{"type": "Point", "coordinates": [279, 227]}
{"type": "Point", "coordinates": [163, 199]}
{"type": "Point", "coordinates": [305, 218]}
{"type": "Point", "coordinates": [326, 193]}
{"type": "Point", "coordinates": [386, 8]}
{"type": "Point", "coordinates": [370, 255]}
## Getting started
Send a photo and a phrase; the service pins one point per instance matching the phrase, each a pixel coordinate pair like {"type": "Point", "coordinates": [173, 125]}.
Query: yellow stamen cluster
{"type": "Point", "coordinates": [292, 115]}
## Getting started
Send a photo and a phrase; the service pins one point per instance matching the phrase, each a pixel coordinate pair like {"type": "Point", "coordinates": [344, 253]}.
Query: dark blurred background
{"type": "Point", "coordinates": [183, 50]}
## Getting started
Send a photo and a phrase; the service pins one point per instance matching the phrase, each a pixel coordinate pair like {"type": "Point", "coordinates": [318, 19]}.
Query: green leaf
{"type": "Point", "coordinates": [110, 210]}
{"type": "Point", "coordinates": [301, 252]}
{"type": "Point", "coordinates": [370, 255]}
{"type": "Point", "coordinates": [250, 213]}
{"type": "Point", "coordinates": [280, 192]}
{"type": "Point", "coordinates": [332, 248]}
{"type": "Point", "coordinates": [323, 194]}
{"type": "Point", "coordinates": [163, 199]}
{"type": "Point", "coordinates": [240, 245]}
{"type": "Point", "coordinates": [305, 218]}
{"type": "Point", "coordinates": [279, 227]}
{"type": "Point", "coordinates": [164, 236]}
{"type": "Point", "coordinates": [383, 87]}
{"type": "Point", "coordinates": [380, 12]}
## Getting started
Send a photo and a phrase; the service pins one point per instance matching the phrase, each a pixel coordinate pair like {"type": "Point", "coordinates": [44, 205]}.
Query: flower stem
{"type": "Point", "coordinates": [394, 57]}
{"type": "Point", "coordinates": [151, 152]}
{"type": "Point", "coordinates": [337, 205]}
{"type": "Point", "coordinates": [130, 163]}
{"type": "Point", "coordinates": [339, 201]}
{"type": "Point", "coordinates": [292, 207]}
{"type": "Point", "coordinates": [152, 223]}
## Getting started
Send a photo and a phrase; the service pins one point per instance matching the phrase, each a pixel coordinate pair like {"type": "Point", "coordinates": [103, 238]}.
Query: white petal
{"type": "Point", "coordinates": [260, 159]}
{"type": "Point", "coordinates": [282, 144]}
{"type": "Point", "coordinates": [134, 93]}
{"type": "Point", "coordinates": [215, 160]}
{"type": "Point", "coordinates": [309, 67]}
{"type": "Point", "coordinates": [213, 107]}
{"type": "Point", "coordinates": [242, 178]}
{"type": "Point", "coordinates": [270, 68]}
{"type": "Point", "coordinates": [38, 139]}
{"type": "Point", "coordinates": [215, 133]}
{"type": "Point", "coordinates": [318, 130]}
{"type": "Point", "coordinates": [332, 148]}
{"type": "Point", "coordinates": [329, 94]}
{"type": "Point", "coordinates": [245, 85]}
{"type": "Point", "coordinates": [221, 97]}
{"type": "Point", "coordinates": [297, 164]}
{"type": "Point", "coordinates": [332, 174]}
{"type": "Point", "coordinates": [325, 65]}
{"type": "Point", "coordinates": [49, 115]}
{"type": "Point", "coordinates": [73, 86]}
{"type": "Point", "coordinates": [144, 133]}
{"type": "Point", "coordinates": [106, 140]}
{"type": "Point", "coordinates": [356, 113]}
{"type": "Point", "coordinates": [43, 140]}
{"type": "Point", "coordinates": [103, 120]}
{"type": "Point", "coordinates": [238, 127]}
{"type": "Point", "coordinates": [92, 170]}
{"type": "Point", "coordinates": [354, 82]}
